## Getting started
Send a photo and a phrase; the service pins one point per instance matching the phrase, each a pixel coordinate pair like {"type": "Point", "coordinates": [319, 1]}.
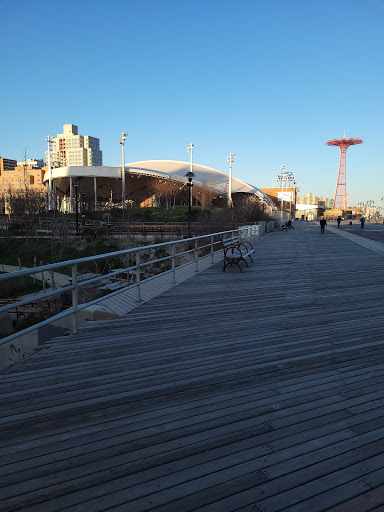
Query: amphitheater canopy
{"type": "Point", "coordinates": [169, 169]}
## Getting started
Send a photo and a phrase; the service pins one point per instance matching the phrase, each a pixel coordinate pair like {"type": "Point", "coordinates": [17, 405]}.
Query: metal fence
{"type": "Point", "coordinates": [191, 249]}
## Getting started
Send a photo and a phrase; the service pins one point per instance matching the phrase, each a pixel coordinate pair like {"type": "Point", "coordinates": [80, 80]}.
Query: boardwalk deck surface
{"type": "Point", "coordinates": [261, 391]}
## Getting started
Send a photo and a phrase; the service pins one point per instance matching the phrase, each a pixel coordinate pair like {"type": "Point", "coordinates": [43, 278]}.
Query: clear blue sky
{"type": "Point", "coordinates": [268, 81]}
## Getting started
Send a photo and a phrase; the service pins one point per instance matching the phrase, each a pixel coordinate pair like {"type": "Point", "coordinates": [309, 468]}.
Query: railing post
{"type": "Point", "coordinates": [211, 249]}
{"type": "Point", "coordinates": [173, 253]}
{"type": "Point", "coordinates": [75, 300]}
{"type": "Point", "coordinates": [138, 297]}
{"type": "Point", "coordinates": [195, 256]}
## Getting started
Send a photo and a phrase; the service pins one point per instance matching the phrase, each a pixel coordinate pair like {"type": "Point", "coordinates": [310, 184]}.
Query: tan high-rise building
{"type": "Point", "coordinates": [313, 200]}
{"type": "Point", "coordinates": [20, 178]}
{"type": "Point", "coordinates": [70, 148]}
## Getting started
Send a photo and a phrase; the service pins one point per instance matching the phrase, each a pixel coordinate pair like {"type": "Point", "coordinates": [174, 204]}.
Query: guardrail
{"type": "Point", "coordinates": [202, 247]}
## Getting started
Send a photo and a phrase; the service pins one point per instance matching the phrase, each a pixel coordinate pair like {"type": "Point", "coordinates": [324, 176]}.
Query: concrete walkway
{"type": "Point", "coordinates": [259, 391]}
{"type": "Point", "coordinates": [60, 279]}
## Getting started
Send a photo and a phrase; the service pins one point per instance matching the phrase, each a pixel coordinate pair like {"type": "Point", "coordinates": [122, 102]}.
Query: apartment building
{"type": "Point", "coordinates": [20, 178]}
{"type": "Point", "coordinates": [7, 165]}
{"type": "Point", "coordinates": [31, 162]}
{"type": "Point", "coordinates": [314, 200]}
{"type": "Point", "coordinates": [70, 148]}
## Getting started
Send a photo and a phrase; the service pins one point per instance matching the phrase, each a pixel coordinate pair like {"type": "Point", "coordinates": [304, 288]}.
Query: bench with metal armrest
{"type": "Point", "coordinates": [236, 250]}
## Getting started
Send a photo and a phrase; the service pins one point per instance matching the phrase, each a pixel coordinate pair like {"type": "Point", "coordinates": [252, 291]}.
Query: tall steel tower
{"type": "Point", "coordinates": [341, 186]}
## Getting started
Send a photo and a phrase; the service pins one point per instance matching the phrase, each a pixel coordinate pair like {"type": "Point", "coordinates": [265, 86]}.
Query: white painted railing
{"type": "Point", "coordinates": [193, 249]}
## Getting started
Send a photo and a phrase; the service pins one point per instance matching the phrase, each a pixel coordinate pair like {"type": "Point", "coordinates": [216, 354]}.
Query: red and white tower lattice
{"type": "Point", "coordinates": [341, 201]}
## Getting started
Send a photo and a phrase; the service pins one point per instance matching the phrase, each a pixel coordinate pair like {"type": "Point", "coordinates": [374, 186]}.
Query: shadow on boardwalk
{"type": "Point", "coordinates": [260, 391]}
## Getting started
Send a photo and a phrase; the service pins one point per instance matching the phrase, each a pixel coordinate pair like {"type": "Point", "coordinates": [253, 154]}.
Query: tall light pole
{"type": "Point", "coordinates": [123, 137]}
{"type": "Point", "coordinates": [190, 175]}
{"type": "Point", "coordinates": [76, 185]}
{"type": "Point", "coordinates": [49, 141]}
{"type": "Point", "coordinates": [230, 159]}
{"type": "Point", "coordinates": [285, 178]}
{"type": "Point", "coordinates": [370, 203]}
{"type": "Point", "coordinates": [281, 177]}
{"type": "Point", "coordinates": [190, 150]}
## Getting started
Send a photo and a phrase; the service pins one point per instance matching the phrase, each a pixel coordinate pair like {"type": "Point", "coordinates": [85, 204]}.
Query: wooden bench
{"type": "Point", "coordinates": [236, 250]}
{"type": "Point", "coordinates": [114, 286]}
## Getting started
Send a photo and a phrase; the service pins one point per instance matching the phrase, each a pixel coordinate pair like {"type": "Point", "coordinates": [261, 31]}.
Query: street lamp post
{"type": "Point", "coordinates": [230, 159]}
{"type": "Point", "coordinates": [190, 175]}
{"type": "Point", "coordinates": [123, 137]}
{"type": "Point", "coordinates": [83, 209]}
{"type": "Point", "coordinates": [76, 185]}
{"type": "Point", "coordinates": [49, 141]}
{"type": "Point", "coordinates": [370, 203]}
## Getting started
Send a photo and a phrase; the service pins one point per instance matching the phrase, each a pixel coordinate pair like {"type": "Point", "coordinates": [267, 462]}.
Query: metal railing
{"type": "Point", "coordinates": [194, 248]}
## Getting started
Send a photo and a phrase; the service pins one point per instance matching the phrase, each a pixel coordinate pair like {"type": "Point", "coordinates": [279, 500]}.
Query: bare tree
{"type": "Point", "coordinates": [25, 202]}
{"type": "Point", "coordinates": [174, 188]}
{"type": "Point", "coordinates": [205, 194]}
{"type": "Point", "coordinates": [158, 188]}
{"type": "Point", "coordinates": [166, 189]}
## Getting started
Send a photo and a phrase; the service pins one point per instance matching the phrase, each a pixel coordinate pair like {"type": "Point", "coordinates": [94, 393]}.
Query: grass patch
{"type": "Point", "coordinates": [159, 214]}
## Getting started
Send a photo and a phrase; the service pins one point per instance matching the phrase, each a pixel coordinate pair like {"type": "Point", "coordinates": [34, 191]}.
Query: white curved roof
{"type": "Point", "coordinates": [176, 170]}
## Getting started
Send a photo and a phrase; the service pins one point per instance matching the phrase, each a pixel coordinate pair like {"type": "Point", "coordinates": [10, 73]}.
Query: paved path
{"type": "Point", "coordinates": [260, 391]}
{"type": "Point", "coordinates": [60, 279]}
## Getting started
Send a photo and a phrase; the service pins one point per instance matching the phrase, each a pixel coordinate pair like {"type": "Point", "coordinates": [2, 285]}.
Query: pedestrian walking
{"type": "Point", "coordinates": [289, 224]}
{"type": "Point", "coordinates": [362, 221]}
{"type": "Point", "coordinates": [323, 223]}
{"type": "Point", "coordinates": [338, 221]}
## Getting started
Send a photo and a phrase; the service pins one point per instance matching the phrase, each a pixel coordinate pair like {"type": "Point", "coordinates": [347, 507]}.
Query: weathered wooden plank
{"type": "Point", "coordinates": [180, 403]}
{"type": "Point", "coordinates": [364, 503]}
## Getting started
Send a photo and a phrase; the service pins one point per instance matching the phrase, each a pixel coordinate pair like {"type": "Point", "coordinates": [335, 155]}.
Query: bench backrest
{"type": "Point", "coordinates": [228, 242]}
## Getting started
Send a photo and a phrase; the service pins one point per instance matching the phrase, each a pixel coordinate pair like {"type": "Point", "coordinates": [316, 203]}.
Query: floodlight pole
{"type": "Point", "coordinates": [285, 177]}
{"type": "Point", "coordinates": [282, 179]}
{"type": "Point", "coordinates": [49, 141]}
{"type": "Point", "coordinates": [123, 202]}
{"type": "Point", "coordinates": [230, 159]}
{"type": "Point", "coordinates": [76, 185]}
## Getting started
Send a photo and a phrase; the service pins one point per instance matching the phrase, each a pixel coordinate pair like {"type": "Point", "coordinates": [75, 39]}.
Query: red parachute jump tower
{"type": "Point", "coordinates": [341, 186]}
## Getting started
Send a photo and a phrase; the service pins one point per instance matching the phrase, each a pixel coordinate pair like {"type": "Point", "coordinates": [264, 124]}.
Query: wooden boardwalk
{"type": "Point", "coordinates": [261, 391]}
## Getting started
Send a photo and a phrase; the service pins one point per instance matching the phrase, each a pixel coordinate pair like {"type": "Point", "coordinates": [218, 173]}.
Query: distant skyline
{"type": "Point", "coordinates": [271, 82]}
